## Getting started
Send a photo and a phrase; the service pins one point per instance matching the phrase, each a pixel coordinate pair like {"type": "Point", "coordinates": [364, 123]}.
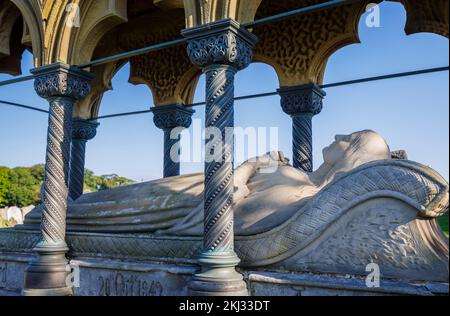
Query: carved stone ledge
{"type": "Point", "coordinates": [61, 80]}
{"type": "Point", "coordinates": [171, 116]}
{"type": "Point", "coordinates": [302, 99]}
{"type": "Point", "coordinates": [84, 129]}
{"type": "Point", "coordinates": [222, 42]}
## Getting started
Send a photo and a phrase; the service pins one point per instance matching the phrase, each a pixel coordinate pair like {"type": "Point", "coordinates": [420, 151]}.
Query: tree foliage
{"type": "Point", "coordinates": [4, 185]}
{"type": "Point", "coordinates": [21, 186]}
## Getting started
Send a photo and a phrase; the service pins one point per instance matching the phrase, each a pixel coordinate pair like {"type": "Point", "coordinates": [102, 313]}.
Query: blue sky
{"type": "Point", "coordinates": [410, 113]}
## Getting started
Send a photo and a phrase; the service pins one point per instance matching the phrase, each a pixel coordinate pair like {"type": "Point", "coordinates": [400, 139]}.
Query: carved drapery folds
{"type": "Point", "coordinates": [220, 49]}
{"type": "Point", "coordinates": [167, 118]}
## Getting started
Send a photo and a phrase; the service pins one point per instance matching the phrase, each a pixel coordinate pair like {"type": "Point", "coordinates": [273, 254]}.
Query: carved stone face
{"type": "Point", "coordinates": [365, 146]}
{"type": "Point", "coordinates": [336, 151]}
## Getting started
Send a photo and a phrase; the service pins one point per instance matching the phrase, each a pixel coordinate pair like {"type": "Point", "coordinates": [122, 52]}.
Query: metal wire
{"type": "Point", "coordinates": [132, 53]}
{"type": "Point", "coordinates": [16, 80]}
{"type": "Point", "coordinates": [325, 86]}
{"type": "Point", "coordinates": [265, 94]}
{"type": "Point", "coordinates": [23, 106]}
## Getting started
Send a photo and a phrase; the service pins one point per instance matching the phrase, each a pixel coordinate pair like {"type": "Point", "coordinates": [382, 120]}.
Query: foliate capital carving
{"type": "Point", "coordinates": [61, 80]}
{"type": "Point", "coordinates": [84, 129]}
{"type": "Point", "coordinates": [171, 116]}
{"type": "Point", "coordinates": [302, 99]}
{"type": "Point", "coordinates": [223, 42]}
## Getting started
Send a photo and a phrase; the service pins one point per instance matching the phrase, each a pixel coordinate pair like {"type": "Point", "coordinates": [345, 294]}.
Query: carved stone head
{"type": "Point", "coordinates": [348, 152]}
{"type": "Point", "coordinates": [356, 149]}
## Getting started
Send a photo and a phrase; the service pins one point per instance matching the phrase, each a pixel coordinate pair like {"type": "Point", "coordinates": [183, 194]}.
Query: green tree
{"type": "Point", "coordinates": [23, 188]}
{"type": "Point", "coordinates": [4, 186]}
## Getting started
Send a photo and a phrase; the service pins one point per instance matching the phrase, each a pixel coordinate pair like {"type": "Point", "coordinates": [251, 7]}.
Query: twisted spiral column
{"type": "Point", "coordinates": [302, 103]}
{"type": "Point", "coordinates": [220, 49]}
{"type": "Point", "coordinates": [82, 132]}
{"type": "Point", "coordinates": [171, 167]}
{"type": "Point", "coordinates": [62, 86]}
{"type": "Point", "coordinates": [219, 186]}
{"type": "Point", "coordinates": [302, 141]}
{"type": "Point", "coordinates": [167, 118]}
{"type": "Point", "coordinates": [53, 222]}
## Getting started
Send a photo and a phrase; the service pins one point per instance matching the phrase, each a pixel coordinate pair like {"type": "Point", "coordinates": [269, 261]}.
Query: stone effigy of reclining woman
{"type": "Point", "coordinates": [360, 206]}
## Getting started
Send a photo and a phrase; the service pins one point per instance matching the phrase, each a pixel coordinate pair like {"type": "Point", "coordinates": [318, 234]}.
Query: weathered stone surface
{"type": "Point", "coordinates": [268, 283]}
{"type": "Point", "coordinates": [12, 268]}
{"type": "Point", "coordinates": [113, 278]}
{"type": "Point", "coordinates": [27, 209]}
{"type": "Point", "coordinates": [105, 277]}
{"type": "Point", "coordinates": [14, 213]}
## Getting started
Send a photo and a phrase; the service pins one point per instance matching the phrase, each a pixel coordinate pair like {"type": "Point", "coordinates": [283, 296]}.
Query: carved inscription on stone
{"type": "Point", "coordinates": [118, 284]}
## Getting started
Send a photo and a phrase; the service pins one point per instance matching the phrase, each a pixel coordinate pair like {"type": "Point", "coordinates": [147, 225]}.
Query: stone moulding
{"type": "Point", "coordinates": [132, 246]}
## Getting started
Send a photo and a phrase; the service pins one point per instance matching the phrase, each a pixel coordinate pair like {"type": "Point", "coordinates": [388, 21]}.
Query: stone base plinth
{"type": "Point", "coordinates": [145, 265]}
{"type": "Point", "coordinates": [107, 277]}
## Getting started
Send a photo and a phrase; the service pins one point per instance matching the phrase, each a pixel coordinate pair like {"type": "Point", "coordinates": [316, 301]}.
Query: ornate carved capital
{"type": "Point", "coordinates": [171, 116]}
{"type": "Point", "coordinates": [302, 99]}
{"type": "Point", "coordinates": [61, 80]}
{"type": "Point", "coordinates": [222, 42]}
{"type": "Point", "coordinates": [84, 129]}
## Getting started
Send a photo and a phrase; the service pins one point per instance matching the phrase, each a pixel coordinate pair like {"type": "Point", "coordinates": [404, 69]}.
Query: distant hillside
{"type": "Point", "coordinates": [21, 186]}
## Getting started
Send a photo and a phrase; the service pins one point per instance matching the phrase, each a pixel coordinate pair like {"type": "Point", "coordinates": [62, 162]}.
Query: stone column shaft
{"type": "Point", "coordinates": [62, 86]}
{"type": "Point", "coordinates": [221, 49]}
{"type": "Point", "coordinates": [82, 132]}
{"type": "Point", "coordinates": [302, 147]}
{"type": "Point", "coordinates": [302, 103]}
{"type": "Point", "coordinates": [219, 175]}
{"type": "Point", "coordinates": [167, 118]}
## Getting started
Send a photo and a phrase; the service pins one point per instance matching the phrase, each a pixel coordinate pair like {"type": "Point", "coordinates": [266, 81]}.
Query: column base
{"type": "Point", "coordinates": [218, 276]}
{"type": "Point", "coordinates": [66, 291]}
{"type": "Point", "coordinates": [48, 274]}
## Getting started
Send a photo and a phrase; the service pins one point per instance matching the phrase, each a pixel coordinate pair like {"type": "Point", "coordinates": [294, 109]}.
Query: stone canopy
{"type": "Point", "coordinates": [79, 31]}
